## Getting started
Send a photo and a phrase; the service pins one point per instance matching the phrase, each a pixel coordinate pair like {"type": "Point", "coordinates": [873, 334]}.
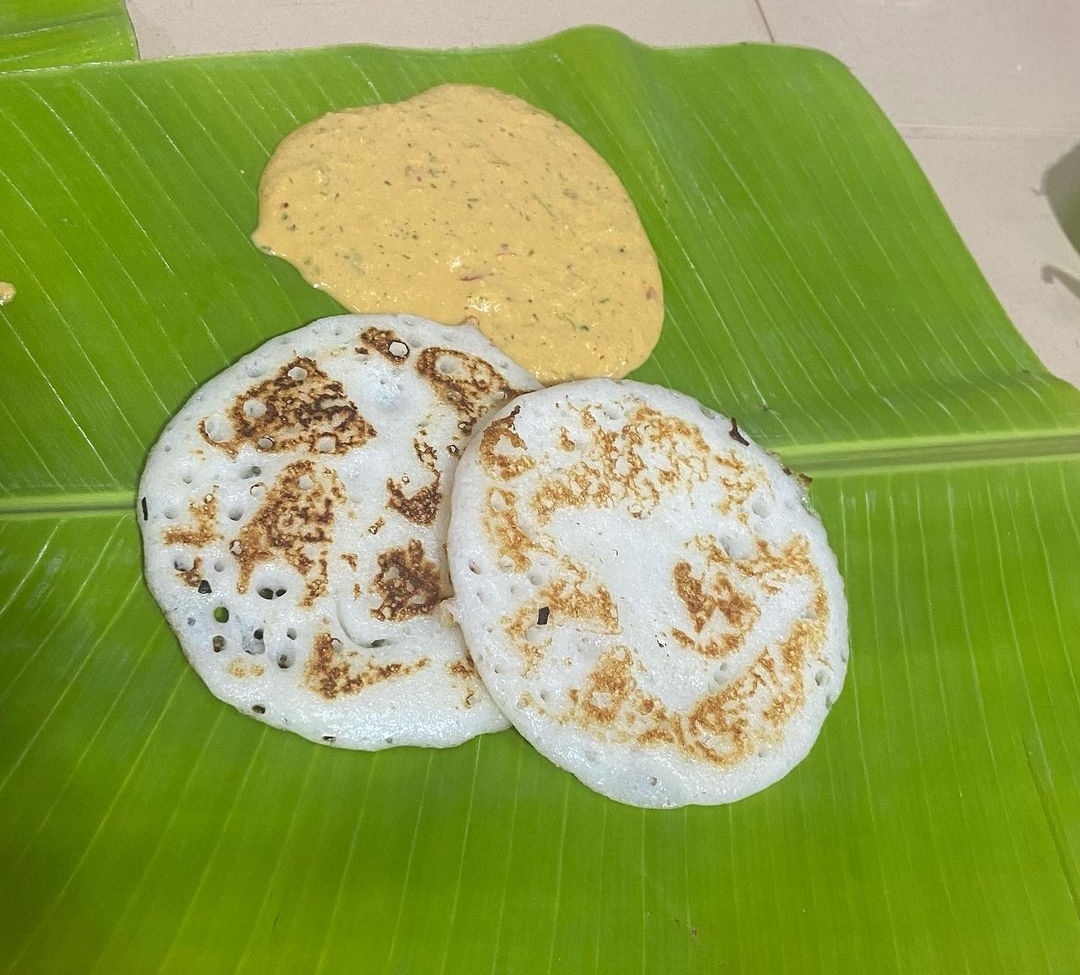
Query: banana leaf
{"type": "Point", "coordinates": [814, 288]}
{"type": "Point", "coordinates": [39, 33]}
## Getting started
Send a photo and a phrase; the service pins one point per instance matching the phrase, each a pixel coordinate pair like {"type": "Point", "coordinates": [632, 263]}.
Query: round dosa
{"type": "Point", "coordinates": [293, 516]}
{"type": "Point", "coordinates": [645, 592]}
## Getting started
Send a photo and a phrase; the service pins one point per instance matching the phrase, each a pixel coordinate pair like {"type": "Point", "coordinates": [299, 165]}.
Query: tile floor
{"type": "Point", "coordinates": [986, 92]}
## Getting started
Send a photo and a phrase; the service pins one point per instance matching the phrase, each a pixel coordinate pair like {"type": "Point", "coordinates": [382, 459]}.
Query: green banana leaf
{"type": "Point", "coordinates": [40, 33]}
{"type": "Point", "coordinates": [814, 288]}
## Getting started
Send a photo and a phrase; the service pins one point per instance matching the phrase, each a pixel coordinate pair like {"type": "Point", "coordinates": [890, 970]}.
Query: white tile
{"type": "Point", "coordinates": [165, 27]}
{"type": "Point", "coordinates": [989, 63]}
{"type": "Point", "coordinates": [995, 190]}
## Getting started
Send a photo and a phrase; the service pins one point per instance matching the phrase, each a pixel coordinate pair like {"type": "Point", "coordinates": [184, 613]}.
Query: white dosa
{"type": "Point", "coordinates": [294, 516]}
{"type": "Point", "coordinates": [645, 592]}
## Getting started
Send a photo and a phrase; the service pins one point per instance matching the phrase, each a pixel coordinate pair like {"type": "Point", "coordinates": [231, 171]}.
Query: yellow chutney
{"type": "Point", "coordinates": [466, 204]}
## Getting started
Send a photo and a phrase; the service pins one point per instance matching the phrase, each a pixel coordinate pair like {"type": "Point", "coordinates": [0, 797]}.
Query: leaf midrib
{"type": "Point", "coordinates": [818, 460]}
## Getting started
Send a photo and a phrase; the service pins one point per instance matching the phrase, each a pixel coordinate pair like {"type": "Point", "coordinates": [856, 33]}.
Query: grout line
{"type": "Point", "coordinates": [765, 22]}
{"type": "Point", "coordinates": [976, 132]}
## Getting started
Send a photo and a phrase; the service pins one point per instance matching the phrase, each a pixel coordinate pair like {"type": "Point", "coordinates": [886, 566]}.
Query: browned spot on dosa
{"type": "Point", "coordinates": [613, 705]}
{"type": "Point", "coordinates": [706, 596]}
{"type": "Point", "coordinates": [610, 686]}
{"type": "Point", "coordinates": [203, 528]}
{"type": "Point", "coordinates": [570, 599]}
{"type": "Point", "coordinates": [726, 727]}
{"type": "Point", "coordinates": [193, 576]}
{"type": "Point", "coordinates": [408, 583]}
{"type": "Point", "coordinates": [466, 382]}
{"type": "Point", "coordinates": [773, 568]}
{"type": "Point", "coordinates": [422, 505]}
{"type": "Point", "coordinates": [245, 668]}
{"type": "Point", "coordinates": [633, 460]}
{"type": "Point", "coordinates": [332, 671]}
{"type": "Point", "coordinates": [294, 523]}
{"type": "Point", "coordinates": [464, 670]}
{"type": "Point", "coordinates": [386, 343]}
{"type": "Point", "coordinates": [502, 449]}
{"type": "Point", "coordinates": [723, 727]}
{"type": "Point", "coordinates": [299, 407]}
{"type": "Point", "coordinates": [717, 599]}
{"type": "Point", "coordinates": [503, 530]}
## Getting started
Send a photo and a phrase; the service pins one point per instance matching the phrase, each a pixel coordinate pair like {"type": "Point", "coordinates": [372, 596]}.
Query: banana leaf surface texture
{"type": "Point", "coordinates": [814, 288]}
